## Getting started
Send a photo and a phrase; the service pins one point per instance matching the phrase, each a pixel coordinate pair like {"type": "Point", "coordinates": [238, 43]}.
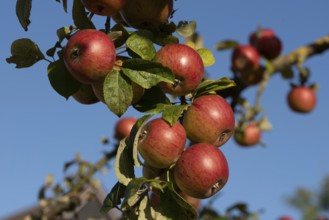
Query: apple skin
{"type": "Point", "coordinates": [266, 42]}
{"type": "Point", "coordinates": [210, 119]}
{"type": "Point", "coordinates": [185, 63]}
{"type": "Point", "coordinates": [89, 55]}
{"type": "Point", "coordinates": [123, 127]}
{"type": "Point", "coordinates": [159, 144]}
{"type": "Point", "coordinates": [145, 14]}
{"type": "Point", "coordinates": [104, 7]}
{"type": "Point", "coordinates": [245, 58]}
{"type": "Point", "coordinates": [85, 95]}
{"type": "Point", "coordinates": [249, 135]}
{"type": "Point", "coordinates": [302, 99]}
{"type": "Point", "coordinates": [201, 171]}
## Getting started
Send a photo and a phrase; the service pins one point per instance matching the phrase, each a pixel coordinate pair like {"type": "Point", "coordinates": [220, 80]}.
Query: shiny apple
{"type": "Point", "coordinates": [89, 55]}
{"type": "Point", "coordinates": [201, 171]}
{"type": "Point", "coordinates": [185, 63]}
{"type": "Point", "coordinates": [210, 119]}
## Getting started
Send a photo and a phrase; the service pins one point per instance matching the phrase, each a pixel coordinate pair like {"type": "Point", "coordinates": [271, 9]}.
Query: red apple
{"type": "Point", "coordinates": [123, 127]}
{"type": "Point", "coordinates": [302, 99]}
{"type": "Point", "coordinates": [210, 119]}
{"type": "Point", "coordinates": [143, 14]}
{"type": "Point", "coordinates": [266, 42]}
{"type": "Point", "coordinates": [160, 144]}
{"type": "Point", "coordinates": [85, 95]}
{"type": "Point", "coordinates": [245, 58]}
{"type": "Point", "coordinates": [89, 55]}
{"type": "Point", "coordinates": [248, 135]}
{"type": "Point", "coordinates": [104, 7]}
{"type": "Point", "coordinates": [185, 63]}
{"type": "Point", "coordinates": [201, 171]}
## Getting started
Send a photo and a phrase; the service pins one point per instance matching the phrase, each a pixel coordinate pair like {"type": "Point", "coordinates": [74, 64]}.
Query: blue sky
{"type": "Point", "coordinates": [40, 130]}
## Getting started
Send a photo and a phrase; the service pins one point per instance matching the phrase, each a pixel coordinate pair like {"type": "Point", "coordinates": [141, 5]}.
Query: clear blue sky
{"type": "Point", "coordinates": [40, 130]}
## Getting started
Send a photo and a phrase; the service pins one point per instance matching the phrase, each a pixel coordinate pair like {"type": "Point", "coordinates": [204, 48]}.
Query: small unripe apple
{"type": "Point", "coordinates": [85, 95]}
{"type": "Point", "coordinates": [123, 127]}
{"type": "Point", "coordinates": [245, 58]}
{"type": "Point", "coordinates": [266, 42]}
{"type": "Point", "coordinates": [89, 55]}
{"type": "Point", "coordinates": [210, 119]}
{"type": "Point", "coordinates": [143, 14]}
{"type": "Point", "coordinates": [201, 171]}
{"type": "Point", "coordinates": [104, 7]}
{"type": "Point", "coordinates": [248, 135]}
{"type": "Point", "coordinates": [185, 63]}
{"type": "Point", "coordinates": [160, 144]}
{"type": "Point", "coordinates": [302, 99]}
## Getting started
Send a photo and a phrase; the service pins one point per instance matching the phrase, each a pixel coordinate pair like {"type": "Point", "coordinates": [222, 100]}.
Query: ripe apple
{"type": "Point", "coordinates": [143, 14]}
{"type": "Point", "coordinates": [248, 135]}
{"type": "Point", "coordinates": [89, 55]}
{"type": "Point", "coordinates": [85, 95]}
{"type": "Point", "coordinates": [160, 144]}
{"type": "Point", "coordinates": [185, 63]}
{"type": "Point", "coordinates": [209, 119]}
{"type": "Point", "coordinates": [245, 58]}
{"type": "Point", "coordinates": [302, 99]}
{"type": "Point", "coordinates": [123, 127]}
{"type": "Point", "coordinates": [104, 7]}
{"type": "Point", "coordinates": [201, 171]}
{"type": "Point", "coordinates": [266, 42]}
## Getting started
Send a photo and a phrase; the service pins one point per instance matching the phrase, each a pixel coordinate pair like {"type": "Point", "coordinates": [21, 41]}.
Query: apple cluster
{"type": "Point", "coordinates": [263, 43]}
{"type": "Point", "coordinates": [197, 171]}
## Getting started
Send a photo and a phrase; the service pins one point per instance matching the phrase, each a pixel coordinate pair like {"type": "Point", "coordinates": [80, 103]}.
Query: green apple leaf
{"type": "Point", "coordinates": [61, 80]}
{"type": "Point", "coordinates": [124, 165]}
{"type": "Point", "coordinates": [63, 33]}
{"type": "Point", "coordinates": [147, 73]}
{"type": "Point", "coordinates": [226, 44]}
{"type": "Point", "coordinates": [211, 86]}
{"type": "Point", "coordinates": [25, 53]}
{"type": "Point", "coordinates": [124, 34]}
{"type": "Point", "coordinates": [23, 12]}
{"type": "Point", "coordinates": [171, 113]}
{"type": "Point", "coordinates": [173, 206]}
{"type": "Point", "coordinates": [113, 199]}
{"type": "Point", "coordinates": [264, 124]}
{"type": "Point", "coordinates": [79, 15]}
{"type": "Point", "coordinates": [185, 29]}
{"type": "Point", "coordinates": [152, 102]}
{"type": "Point", "coordinates": [164, 40]}
{"type": "Point", "coordinates": [134, 138]}
{"type": "Point", "coordinates": [206, 56]}
{"type": "Point", "coordinates": [140, 42]}
{"type": "Point", "coordinates": [118, 92]}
